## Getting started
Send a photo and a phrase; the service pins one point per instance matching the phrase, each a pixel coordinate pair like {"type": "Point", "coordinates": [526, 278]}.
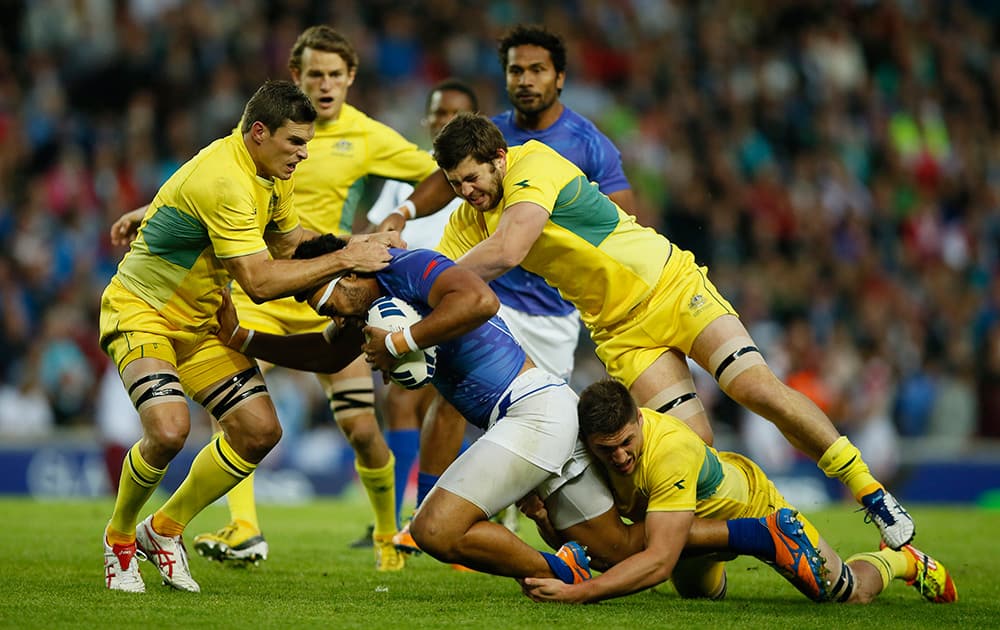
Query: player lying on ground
{"type": "Point", "coordinates": [663, 475]}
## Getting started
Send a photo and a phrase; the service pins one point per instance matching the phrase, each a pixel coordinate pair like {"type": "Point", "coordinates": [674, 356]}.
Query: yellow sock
{"type": "Point", "coordinates": [242, 506]}
{"type": "Point", "coordinates": [889, 564]}
{"type": "Point", "coordinates": [214, 472]}
{"type": "Point", "coordinates": [166, 526]}
{"type": "Point", "coordinates": [380, 484]}
{"type": "Point", "coordinates": [138, 481]}
{"type": "Point", "coordinates": [843, 461]}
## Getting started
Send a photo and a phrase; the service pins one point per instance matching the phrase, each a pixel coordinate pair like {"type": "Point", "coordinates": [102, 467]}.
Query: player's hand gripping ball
{"type": "Point", "coordinates": [413, 369]}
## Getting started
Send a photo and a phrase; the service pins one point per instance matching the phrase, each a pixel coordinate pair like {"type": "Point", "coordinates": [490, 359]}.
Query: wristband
{"type": "Point", "coordinates": [246, 342]}
{"type": "Point", "coordinates": [232, 335]}
{"type": "Point", "coordinates": [391, 347]}
{"type": "Point", "coordinates": [410, 343]}
{"type": "Point", "coordinates": [406, 210]}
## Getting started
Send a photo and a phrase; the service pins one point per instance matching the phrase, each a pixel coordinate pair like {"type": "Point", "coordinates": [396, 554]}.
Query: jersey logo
{"type": "Point", "coordinates": [343, 147]}
{"type": "Point", "coordinates": [523, 183]}
{"type": "Point", "coordinates": [679, 484]}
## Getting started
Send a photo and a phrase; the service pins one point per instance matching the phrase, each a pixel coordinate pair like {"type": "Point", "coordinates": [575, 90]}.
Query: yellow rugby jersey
{"type": "Point", "coordinates": [593, 252]}
{"type": "Point", "coordinates": [329, 185]}
{"type": "Point", "coordinates": [676, 472]}
{"type": "Point", "coordinates": [215, 206]}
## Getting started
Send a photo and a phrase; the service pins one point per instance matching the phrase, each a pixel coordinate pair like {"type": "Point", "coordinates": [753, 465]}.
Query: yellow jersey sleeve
{"type": "Point", "coordinates": [464, 230]}
{"type": "Point", "coordinates": [671, 464]}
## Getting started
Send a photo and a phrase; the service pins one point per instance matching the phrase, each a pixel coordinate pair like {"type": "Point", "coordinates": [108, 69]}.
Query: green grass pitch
{"type": "Point", "coordinates": [51, 577]}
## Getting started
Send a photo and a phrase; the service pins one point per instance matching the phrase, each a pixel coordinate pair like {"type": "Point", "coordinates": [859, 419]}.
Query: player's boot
{"type": "Point", "coordinates": [365, 541]}
{"type": "Point", "coordinates": [893, 521]}
{"type": "Point", "coordinates": [575, 557]}
{"type": "Point", "coordinates": [121, 568]}
{"type": "Point", "coordinates": [796, 556]}
{"type": "Point", "coordinates": [387, 558]}
{"type": "Point", "coordinates": [932, 580]}
{"type": "Point", "coordinates": [404, 542]}
{"type": "Point", "coordinates": [168, 554]}
{"type": "Point", "coordinates": [238, 542]}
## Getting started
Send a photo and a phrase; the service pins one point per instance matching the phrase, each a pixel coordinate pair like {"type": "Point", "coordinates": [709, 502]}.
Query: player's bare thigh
{"type": "Point", "coordinates": [667, 386]}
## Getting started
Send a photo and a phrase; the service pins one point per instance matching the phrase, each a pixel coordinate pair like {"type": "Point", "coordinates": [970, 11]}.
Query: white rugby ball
{"type": "Point", "coordinates": [413, 369]}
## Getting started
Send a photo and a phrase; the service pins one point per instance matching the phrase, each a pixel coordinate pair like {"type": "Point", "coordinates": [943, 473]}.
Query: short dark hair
{"type": "Point", "coordinates": [533, 35]}
{"type": "Point", "coordinates": [454, 85]}
{"type": "Point", "coordinates": [323, 38]}
{"type": "Point", "coordinates": [605, 407]}
{"type": "Point", "coordinates": [467, 135]}
{"type": "Point", "coordinates": [314, 248]}
{"type": "Point", "coordinates": [275, 103]}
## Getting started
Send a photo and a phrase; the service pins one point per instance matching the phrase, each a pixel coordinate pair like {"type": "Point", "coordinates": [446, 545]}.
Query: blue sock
{"type": "Point", "coordinates": [425, 481]}
{"type": "Point", "coordinates": [560, 568]}
{"type": "Point", "coordinates": [405, 445]}
{"type": "Point", "coordinates": [750, 536]}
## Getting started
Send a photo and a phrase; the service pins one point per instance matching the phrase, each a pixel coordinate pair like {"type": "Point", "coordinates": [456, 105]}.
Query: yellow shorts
{"type": "Point", "coordinates": [132, 329]}
{"type": "Point", "coordinates": [278, 317]}
{"type": "Point", "coordinates": [745, 492]}
{"type": "Point", "coordinates": [683, 303]}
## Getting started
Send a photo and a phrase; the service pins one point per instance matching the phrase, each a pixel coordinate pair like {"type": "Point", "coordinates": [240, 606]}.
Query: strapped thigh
{"type": "Point", "coordinates": [732, 359]}
{"type": "Point", "coordinates": [154, 389]}
{"type": "Point", "coordinates": [679, 400]}
{"type": "Point", "coordinates": [233, 392]}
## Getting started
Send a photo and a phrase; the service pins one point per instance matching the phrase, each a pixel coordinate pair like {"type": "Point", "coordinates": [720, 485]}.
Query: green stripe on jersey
{"type": "Point", "coordinates": [584, 211]}
{"type": "Point", "coordinates": [176, 237]}
{"type": "Point", "coordinates": [710, 475]}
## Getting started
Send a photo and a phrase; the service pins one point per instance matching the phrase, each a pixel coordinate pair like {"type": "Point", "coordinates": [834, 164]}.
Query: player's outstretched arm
{"type": "Point", "coordinates": [310, 352]}
{"type": "Point", "coordinates": [265, 278]}
{"type": "Point", "coordinates": [665, 535]}
{"type": "Point", "coordinates": [518, 229]}
{"type": "Point", "coordinates": [429, 196]}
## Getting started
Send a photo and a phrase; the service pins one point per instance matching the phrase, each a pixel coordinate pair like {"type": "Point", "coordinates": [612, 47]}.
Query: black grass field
{"type": "Point", "coordinates": [51, 576]}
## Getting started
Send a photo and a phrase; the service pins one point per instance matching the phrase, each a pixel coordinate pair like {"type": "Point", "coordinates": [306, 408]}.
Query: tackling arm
{"type": "Point", "coordinates": [429, 196]}
{"type": "Point", "coordinates": [665, 536]}
{"type": "Point", "coordinates": [518, 229]}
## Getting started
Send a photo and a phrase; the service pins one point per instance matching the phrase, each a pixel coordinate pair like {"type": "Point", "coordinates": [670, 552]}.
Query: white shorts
{"type": "Point", "coordinates": [533, 446]}
{"type": "Point", "coordinates": [550, 340]}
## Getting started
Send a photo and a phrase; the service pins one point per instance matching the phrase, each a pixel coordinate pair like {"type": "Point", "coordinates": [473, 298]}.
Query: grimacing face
{"type": "Point", "coordinates": [619, 451]}
{"type": "Point", "coordinates": [281, 151]}
{"type": "Point", "coordinates": [479, 183]}
{"type": "Point", "coordinates": [532, 81]}
{"type": "Point", "coordinates": [325, 79]}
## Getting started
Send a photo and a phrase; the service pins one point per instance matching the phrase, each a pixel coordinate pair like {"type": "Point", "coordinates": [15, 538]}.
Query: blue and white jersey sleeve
{"type": "Point", "coordinates": [474, 370]}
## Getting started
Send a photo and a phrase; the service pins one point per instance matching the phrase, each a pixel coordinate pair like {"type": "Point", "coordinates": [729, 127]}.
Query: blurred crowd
{"type": "Point", "coordinates": [835, 164]}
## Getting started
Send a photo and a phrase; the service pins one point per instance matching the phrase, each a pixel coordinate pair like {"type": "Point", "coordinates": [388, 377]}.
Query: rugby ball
{"type": "Point", "coordinates": [413, 369]}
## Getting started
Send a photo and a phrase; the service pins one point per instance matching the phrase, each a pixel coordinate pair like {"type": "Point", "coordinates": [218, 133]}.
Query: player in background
{"type": "Point", "coordinates": [647, 304]}
{"type": "Point", "coordinates": [405, 409]}
{"type": "Point", "coordinates": [221, 216]}
{"type": "Point", "coordinates": [663, 475]}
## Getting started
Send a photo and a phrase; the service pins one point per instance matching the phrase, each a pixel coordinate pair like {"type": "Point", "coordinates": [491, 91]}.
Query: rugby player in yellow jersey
{"type": "Point", "coordinates": [220, 217]}
{"type": "Point", "coordinates": [663, 475]}
{"type": "Point", "coordinates": [348, 147]}
{"type": "Point", "coordinates": [645, 301]}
